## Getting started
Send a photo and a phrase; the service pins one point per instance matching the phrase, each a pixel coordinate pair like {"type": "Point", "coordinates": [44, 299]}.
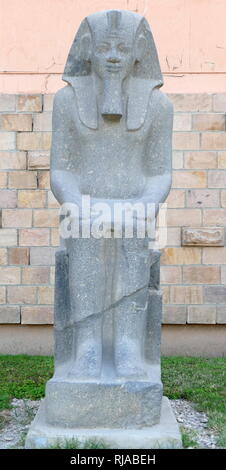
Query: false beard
{"type": "Point", "coordinates": [112, 107]}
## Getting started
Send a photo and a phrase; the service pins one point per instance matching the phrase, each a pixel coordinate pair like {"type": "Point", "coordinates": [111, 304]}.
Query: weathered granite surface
{"type": "Point", "coordinates": [112, 141]}
{"type": "Point", "coordinates": [164, 435]}
{"type": "Point", "coordinates": [112, 131]}
{"type": "Point", "coordinates": [114, 404]}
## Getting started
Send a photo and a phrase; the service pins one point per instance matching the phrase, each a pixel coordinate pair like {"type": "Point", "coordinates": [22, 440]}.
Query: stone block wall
{"type": "Point", "coordinates": [193, 265]}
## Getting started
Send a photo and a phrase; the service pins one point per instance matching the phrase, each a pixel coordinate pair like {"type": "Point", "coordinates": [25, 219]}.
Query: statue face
{"type": "Point", "coordinates": [113, 55]}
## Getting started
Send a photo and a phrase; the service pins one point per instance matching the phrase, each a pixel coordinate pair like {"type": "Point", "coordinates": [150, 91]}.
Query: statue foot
{"type": "Point", "coordinates": [88, 362]}
{"type": "Point", "coordinates": [128, 361]}
{"type": "Point", "coordinates": [128, 370]}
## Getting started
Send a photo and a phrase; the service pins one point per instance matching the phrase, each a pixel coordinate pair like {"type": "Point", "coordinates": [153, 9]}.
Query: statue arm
{"type": "Point", "coordinates": [63, 181]}
{"type": "Point", "coordinates": [158, 165]}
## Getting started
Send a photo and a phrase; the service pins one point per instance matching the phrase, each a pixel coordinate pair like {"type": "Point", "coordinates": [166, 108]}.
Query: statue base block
{"type": "Point", "coordinates": [104, 403]}
{"type": "Point", "coordinates": [164, 435]}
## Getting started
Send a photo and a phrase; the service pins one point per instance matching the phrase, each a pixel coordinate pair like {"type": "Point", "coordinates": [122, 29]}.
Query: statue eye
{"type": "Point", "coordinates": [123, 48]}
{"type": "Point", "coordinates": [103, 48]}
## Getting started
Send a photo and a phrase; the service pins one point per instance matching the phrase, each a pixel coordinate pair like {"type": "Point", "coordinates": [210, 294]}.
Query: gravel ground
{"type": "Point", "coordinates": [195, 422]}
{"type": "Point", "coordinates": [15, 423]}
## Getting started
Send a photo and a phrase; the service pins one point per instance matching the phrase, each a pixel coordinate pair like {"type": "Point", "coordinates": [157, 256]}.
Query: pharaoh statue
{"type": "Point", "coordinates": [112, 141]}
{"type": "Point", "coordinates": [111, 144]}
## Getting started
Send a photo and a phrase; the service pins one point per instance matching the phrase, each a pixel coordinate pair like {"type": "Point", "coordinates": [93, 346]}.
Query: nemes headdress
{"type": "Point", "coordinates": [146, 74]}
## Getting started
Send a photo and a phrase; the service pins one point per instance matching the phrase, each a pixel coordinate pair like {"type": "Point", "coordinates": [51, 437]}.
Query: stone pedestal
{"type": "Point", "coordinates": [164, 435]}
{"type": "Point", "coordinates": [113, 403]}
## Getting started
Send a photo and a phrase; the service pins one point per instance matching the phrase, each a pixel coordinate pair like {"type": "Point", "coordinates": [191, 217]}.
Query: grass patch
{"type": "Point", "coordinates": [76, 444]}
{"type": "Point", "coordinates": [200, 380]}
{"type": "Point", "coordinates": [23, 377]}
{"type": "Point", "coordinates": [189, 438]}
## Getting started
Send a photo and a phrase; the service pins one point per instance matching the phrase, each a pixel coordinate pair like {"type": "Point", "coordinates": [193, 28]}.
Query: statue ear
{"type": "Point", "coordinates": [140, 48]}
{"type": "Point", "coordinates": [86, 47]}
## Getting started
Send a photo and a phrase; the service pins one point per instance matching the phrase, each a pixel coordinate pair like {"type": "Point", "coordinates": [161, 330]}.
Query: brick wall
{"type": "Point", "coordinates": [193, 272]}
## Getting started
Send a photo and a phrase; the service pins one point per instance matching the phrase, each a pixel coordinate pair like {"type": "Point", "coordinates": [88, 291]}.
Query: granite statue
{"type": "Point", "coordinates": [112, 141]}
{"type": "Point", "coordinates": [112, 130]}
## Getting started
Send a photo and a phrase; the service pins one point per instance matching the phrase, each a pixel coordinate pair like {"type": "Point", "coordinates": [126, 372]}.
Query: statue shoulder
{"type": "Point", "coordinates": [161, 102]}
{"type": "Point", "coordinates": [63, 97]}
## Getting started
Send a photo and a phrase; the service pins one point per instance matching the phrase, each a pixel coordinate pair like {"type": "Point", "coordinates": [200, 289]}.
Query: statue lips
{"type": "Point", "coordinates": [113, 67]}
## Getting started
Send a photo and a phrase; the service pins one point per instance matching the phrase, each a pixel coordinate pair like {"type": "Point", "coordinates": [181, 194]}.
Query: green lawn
{"type": "Point", "coordinates": [23, 377]}
{"type": "Point", "coordinates": [200, 380]}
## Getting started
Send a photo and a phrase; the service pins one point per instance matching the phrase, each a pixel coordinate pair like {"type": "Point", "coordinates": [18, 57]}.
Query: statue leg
{"type": "Point", "coordinates": [87, 350]}
{"type": "Point", "coordinates": [85, 288]}
{"type": "Point", "coordinates": [130, 317]}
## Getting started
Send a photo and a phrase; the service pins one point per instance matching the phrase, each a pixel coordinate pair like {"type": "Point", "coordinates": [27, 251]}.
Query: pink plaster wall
{"type": "Point", "coordinates": [35, 36]}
